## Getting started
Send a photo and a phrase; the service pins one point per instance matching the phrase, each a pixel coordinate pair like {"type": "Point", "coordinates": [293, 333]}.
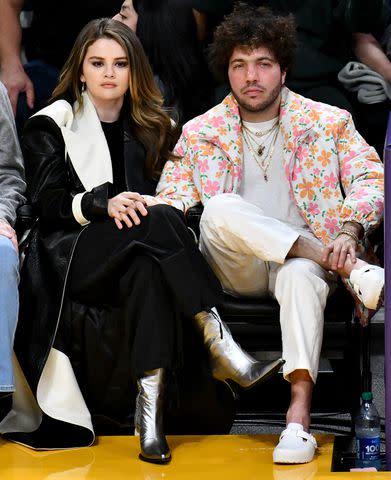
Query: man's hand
{"type": "Point", "coordinates": [7, 231]}
{"type": "Point", "coordinates": [337, 251]}
{"type": "Point", "coordinates": [125, 207]}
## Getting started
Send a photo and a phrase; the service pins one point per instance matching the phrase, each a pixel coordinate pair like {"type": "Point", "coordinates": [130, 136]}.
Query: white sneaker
{"type": "Point", "coordinates": [368, 283]}
{"type": "Point", "coordinates": [295, 445]}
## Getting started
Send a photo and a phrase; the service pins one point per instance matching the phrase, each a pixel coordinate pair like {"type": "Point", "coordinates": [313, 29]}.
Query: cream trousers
{"type": "Point", "coordinates": [247, 250]}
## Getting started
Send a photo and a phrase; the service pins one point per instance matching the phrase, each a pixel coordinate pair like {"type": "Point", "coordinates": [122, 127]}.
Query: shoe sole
{"type": "Point", "coordinates": [273, 371]}
{"type": "Point", "coordinates": [292, 462]}
{"type": "Point", "coordinates": [157, 461]}
{"type": "Point", "coordinates": [291, 457]}
{"type": "Point", "coordinates": [236, 387]}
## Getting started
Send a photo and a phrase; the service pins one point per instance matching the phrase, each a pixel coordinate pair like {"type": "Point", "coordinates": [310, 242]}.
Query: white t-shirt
{"type": "Point", "coordinates": [271, 195]}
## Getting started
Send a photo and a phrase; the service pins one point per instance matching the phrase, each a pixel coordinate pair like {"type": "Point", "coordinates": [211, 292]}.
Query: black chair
{"type": "Point", "coordinates": [255, 325]}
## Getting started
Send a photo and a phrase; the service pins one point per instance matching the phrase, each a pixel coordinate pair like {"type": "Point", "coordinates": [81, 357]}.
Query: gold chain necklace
{"type": "Point", "coordinates": [254, 136]}
{"type": "Point", "coordinates": [264, 163]}
{"type": "Point", "coordinates": [262, 133]}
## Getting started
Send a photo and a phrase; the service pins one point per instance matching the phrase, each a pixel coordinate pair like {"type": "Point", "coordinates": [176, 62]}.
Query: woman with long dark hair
{"type": "Point", "coordinates": [110, 274]}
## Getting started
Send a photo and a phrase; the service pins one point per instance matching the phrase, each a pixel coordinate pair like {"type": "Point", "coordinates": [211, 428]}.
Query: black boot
{"type": "Point", "coordinates": [149, 418]}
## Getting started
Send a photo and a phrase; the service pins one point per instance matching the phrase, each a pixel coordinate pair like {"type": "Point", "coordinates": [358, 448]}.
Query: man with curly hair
{"type": "Point", "coordinates": [290, 191]}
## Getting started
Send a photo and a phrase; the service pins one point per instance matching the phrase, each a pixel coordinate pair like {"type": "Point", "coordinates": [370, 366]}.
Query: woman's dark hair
{"type": "Point", "coordinates": [167, 30]}
{"type": "Point", "coordinates": [252, 27]}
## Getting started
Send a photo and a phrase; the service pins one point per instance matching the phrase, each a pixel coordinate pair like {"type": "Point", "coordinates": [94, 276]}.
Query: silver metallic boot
{"type": "Point", "coordinates": [227, 360]}
{"type": "Point", "coordinates": [149, 418]}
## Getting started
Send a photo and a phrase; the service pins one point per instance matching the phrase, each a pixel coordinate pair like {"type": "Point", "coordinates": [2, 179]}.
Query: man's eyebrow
{"type": "Point", "coordinates": [264, 57]}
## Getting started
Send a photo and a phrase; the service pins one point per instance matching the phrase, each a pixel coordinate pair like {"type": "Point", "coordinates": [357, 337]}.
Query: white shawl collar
{"type": "Point", "coordinates": [84, 140]}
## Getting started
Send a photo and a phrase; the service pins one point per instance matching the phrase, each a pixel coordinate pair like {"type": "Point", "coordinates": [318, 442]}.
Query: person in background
{"type": "Point", "coordinates": [105, 246]}
{"type": "Point", "coordinates": [12, 187]}
{"type": "Point", "coordinates": [168, 32]}
{"type": "Point", "coordinates": [290, 190]}
{"type": "Point", "coordinates": [47, 44]}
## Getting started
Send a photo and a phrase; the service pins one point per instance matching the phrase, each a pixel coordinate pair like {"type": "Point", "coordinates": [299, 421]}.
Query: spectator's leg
{"type": "Point", "coordinates": [237, 239]}
{"type": "Point", "coordinates": [301, 287]}
{"type": "Point", "coordinates": [9, 306]}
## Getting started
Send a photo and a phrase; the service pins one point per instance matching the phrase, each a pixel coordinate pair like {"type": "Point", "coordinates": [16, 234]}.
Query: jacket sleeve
{"type": "Point", "coordinates": [176, 185]}
{"type": "Point", "coordinates": [12, 185]}
{"type": "Point", "coordinates": [50, 181]}
{"type": "Point", "coordinates": [362, 178]}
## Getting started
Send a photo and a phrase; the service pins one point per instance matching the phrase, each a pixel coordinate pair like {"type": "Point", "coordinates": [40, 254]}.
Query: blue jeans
{"type": "Point", "coordinates": [9, 307]}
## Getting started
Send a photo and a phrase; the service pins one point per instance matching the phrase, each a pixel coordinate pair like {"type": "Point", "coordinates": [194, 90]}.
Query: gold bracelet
{"type": "Point", "coordinates": [351, 234]}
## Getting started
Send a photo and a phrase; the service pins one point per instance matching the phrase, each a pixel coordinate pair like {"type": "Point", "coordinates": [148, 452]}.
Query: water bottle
{"type": "Point", "coordinates": [367, 429]}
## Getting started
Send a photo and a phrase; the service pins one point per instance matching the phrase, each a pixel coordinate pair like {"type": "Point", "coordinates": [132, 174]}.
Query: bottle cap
{"type": "Point", "coordinates": [366, 396]}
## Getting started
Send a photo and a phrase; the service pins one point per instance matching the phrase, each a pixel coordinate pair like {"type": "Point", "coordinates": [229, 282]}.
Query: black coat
{"type": "Point", "coordinates": [52, 184]}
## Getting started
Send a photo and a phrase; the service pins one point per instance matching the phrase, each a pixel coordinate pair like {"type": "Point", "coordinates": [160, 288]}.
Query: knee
{"type": "Point", "coordinates": [168, 212]}
{"type": "Point", "coordinates": [218, 209]}
{"type": "Point", "coordinates": [169, 218]}
{"type": "Point", "coordinates": [302, 274]}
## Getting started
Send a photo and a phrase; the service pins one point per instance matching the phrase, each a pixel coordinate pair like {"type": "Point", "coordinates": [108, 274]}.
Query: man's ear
{"type": "Point", "coordinates": [283, 76]}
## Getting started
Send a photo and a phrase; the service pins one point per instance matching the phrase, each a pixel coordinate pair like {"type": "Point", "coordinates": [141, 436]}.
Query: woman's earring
{"type": "Point", "coordinates": [83, 86]}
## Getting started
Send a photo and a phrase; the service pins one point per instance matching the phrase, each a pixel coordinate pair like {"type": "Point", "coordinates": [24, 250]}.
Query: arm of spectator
{"type": "Point", "coordinates": [369, 51]}
{"type": "Point", "coordinates": [201, 22]}
{"type": "Point", "coordinates": [12, 185]}
{"type": "Point", "coordinates": [12, 72]}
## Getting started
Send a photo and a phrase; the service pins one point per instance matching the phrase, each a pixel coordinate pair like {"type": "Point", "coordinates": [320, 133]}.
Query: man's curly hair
{"type": "Point", "coordinates": [252, 27]}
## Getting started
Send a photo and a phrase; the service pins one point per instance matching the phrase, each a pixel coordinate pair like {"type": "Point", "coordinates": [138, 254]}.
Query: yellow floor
{"type": "Point", "coordinates": [236, 457]}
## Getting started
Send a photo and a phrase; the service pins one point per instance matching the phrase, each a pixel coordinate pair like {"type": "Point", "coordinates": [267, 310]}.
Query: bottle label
{"type": "Point", "coordinates": [368, 448]}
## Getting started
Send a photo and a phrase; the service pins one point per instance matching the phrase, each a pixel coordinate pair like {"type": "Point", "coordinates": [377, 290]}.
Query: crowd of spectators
{"type": "Point", "coordinates": [333, 35]}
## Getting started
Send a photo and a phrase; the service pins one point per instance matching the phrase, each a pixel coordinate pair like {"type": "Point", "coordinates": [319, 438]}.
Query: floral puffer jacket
{"type": "Point", "coordinates": [334, 175]}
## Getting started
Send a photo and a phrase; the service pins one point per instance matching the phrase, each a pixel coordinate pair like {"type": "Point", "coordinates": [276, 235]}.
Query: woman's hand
{"type": "Point", "coordinates": [125, 207]}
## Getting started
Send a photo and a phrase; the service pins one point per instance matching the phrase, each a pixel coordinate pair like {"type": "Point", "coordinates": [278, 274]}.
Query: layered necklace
{"type": "Point", "coordinates": [260, 152]}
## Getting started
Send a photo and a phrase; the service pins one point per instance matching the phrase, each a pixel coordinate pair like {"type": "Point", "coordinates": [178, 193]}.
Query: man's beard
{"type": "Point", "coordinates": [262, 106]}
